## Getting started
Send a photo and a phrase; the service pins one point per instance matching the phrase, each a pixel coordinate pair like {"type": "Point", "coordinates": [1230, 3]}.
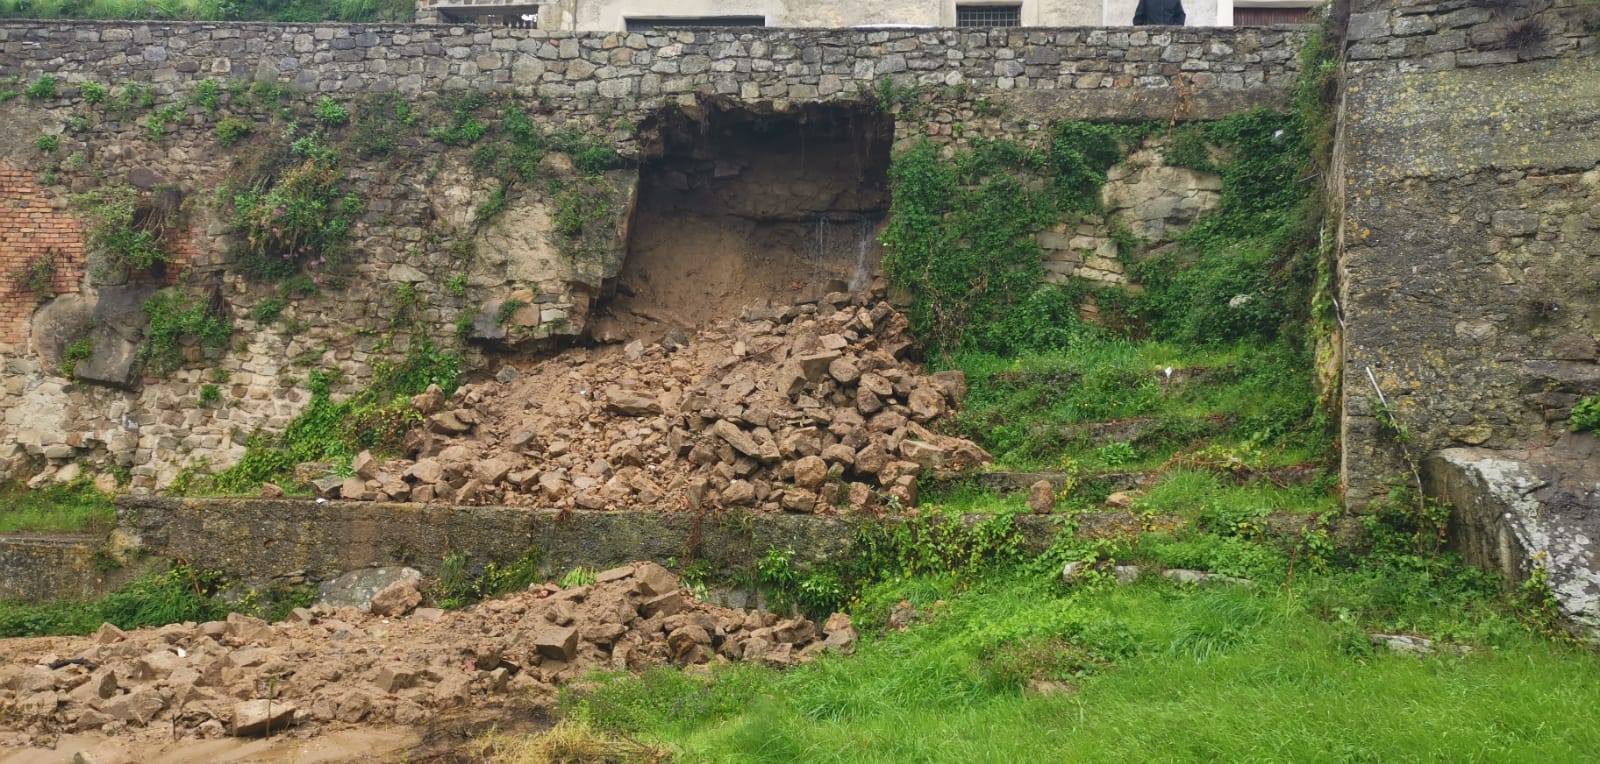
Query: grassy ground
{"type": "Point", "coordinates": [59, 509]}
{"type": "Point", "coordinates": [1152, 671]}
{"type": "Point", "coordinates": [1006, 663]}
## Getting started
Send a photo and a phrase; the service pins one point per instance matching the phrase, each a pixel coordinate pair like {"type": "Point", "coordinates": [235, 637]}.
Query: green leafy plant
{"type": "Point", "coordinates": [290, 214]}
{"type": "Point", "coordinates": [44, 88]}
{"type": "Point", "coordinates": [464, 128]}
{"type": "Point", "coordinates": [76, 351]}
{"type": "Point", "coordinates": [207, 95]}
{"type": "Point", "coordinates": [268, 310]}
{"type": "Point", "coordinates": [231, 130]}
{"type": "Point", "coordinates": [36, 276]}
{"type": "Point", "coordinates": [374, 417]}
{"type": "Point", "coordinates": [579, 576]}
{"type": "Point", "coordinates": [178, 319]}
{"type": "Point", "coordinates": [1585, 415]}
{"type": "Point", "coordinates": [210, 394]}
{"type": "Point", "coordinates": [126, 227]}
{"type": "Point", "coordinates": [47, 144]}
{"type": "Point", "coordinates": [456, 284]}
{"type": "Point", "coordinates": [330, 113]}
{"type": "Point", "coordinates": [93, 93]}
{"type": "Point", "coordinates": [155, 125]}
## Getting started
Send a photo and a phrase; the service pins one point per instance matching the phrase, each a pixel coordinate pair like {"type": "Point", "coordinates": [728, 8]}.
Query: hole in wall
{"type": "Point", "coordinates": [740, 207]}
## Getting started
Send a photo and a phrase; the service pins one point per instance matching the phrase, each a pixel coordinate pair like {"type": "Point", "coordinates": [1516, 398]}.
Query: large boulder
{"type": "Point", "coordinates": [357, 588]}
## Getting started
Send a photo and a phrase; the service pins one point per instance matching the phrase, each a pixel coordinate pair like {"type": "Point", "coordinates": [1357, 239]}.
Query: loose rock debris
{"type": "Point", "coordinates": [815, 407]}
{"type": "Point", "coordinates": [325, 668]}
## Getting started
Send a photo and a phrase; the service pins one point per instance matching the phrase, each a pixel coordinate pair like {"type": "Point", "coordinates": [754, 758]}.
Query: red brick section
{"type": "Point", "coordinates": [31, 230]}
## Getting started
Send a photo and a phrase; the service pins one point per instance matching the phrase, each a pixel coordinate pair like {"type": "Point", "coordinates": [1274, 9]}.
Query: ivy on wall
{"type": "Point", "coordinates": [960, 237]}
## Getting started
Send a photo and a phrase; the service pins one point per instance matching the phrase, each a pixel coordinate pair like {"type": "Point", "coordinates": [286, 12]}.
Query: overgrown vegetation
{"type": "Point", "coordinates": [127, 229]}
{"type": "Point", "coordinates": [173, 596]}
{"type": "Point", "coordinates": [178, 320]}
{"type": "Point", "coordinates": [459, 585]}
{"type": "Point", "coordinates": [332, 431]}
{"type": "Point", "coordinates": [290, 209]}
{"type": "Point", "coordinates": [1586, 415]}
{"type": "Point", "coordinates": [70, 508]}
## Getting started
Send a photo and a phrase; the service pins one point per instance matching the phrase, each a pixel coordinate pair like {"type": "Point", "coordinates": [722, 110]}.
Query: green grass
{"type": "Point", "coordinates": [213, 10]}
{"type": "Point", "coordinates": [57, 509]}
{"type": "Point", "coordinates": [1162, 673]}
{"type": "Point", "coordinates": [1025, 409]}
{"type": "Point", "coordinates": [156, 599]}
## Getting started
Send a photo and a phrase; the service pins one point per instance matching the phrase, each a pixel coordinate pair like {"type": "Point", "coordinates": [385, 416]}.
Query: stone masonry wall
{"type": "Point", "coordinates": [1470, 246]}
{"type": "Point", "coordinates": [419, 204]}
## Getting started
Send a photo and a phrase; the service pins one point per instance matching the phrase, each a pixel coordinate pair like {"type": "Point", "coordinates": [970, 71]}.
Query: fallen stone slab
{"type": "Point", "coordinates": [255, 718]}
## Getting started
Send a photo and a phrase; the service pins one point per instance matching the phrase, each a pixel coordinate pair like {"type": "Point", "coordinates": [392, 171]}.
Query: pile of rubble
{"type": "Point", "coordinates": [809, 408]}
{"type": "Point", "coordinates": [326, 667]}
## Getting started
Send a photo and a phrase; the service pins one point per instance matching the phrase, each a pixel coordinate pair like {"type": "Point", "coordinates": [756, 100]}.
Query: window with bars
{"type": "Point", "coordinates": [676, 22]}
{"type": "Point", "coordinates": [989, 15]}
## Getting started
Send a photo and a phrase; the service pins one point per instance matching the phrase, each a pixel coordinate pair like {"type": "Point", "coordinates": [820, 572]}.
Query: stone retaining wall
{"type": "Point", "coordinates": [420, 203]}
{"type": "Point", "coordinates": [37, 568]}
{"type": "Point", "coordinates": [1470, 241]}
{"type": "Point", "coordinates": [638, 72]}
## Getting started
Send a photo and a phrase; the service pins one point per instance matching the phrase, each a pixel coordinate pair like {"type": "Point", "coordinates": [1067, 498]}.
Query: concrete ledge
{"type": "Point", "coordinates": [259, 540]}
{"type": "Point", "coordinates": [49, 567]}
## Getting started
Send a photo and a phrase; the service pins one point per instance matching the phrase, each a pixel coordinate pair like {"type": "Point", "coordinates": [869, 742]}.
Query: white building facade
{"type": "Point", "coordinates": [625, 15]}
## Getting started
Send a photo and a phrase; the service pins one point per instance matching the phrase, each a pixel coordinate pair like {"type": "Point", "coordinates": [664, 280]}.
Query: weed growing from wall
{"type": "Point", "coordinates": [290, 209]}
{"type": "Point", "coordinates": [334, 431]}
{"type": "Point", "coordinates": [1586, 415]}
{"type": "Point", "coordinates": [126, 228]}
{"type": "Point", "coordinates": [179, 319]}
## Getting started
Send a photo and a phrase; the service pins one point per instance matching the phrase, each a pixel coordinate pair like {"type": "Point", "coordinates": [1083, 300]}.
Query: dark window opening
{"type": "Point", "coordinates": [1261, 17]}
{"type": "Point", "coordinates": [988, 15]}
{"type": "Point", "coordinates": [511, 16]}
{"type": "Point", "coordinates": [679, 22]}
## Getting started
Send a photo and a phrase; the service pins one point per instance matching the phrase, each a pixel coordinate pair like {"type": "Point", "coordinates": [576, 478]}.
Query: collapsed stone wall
{"type": "Point", "coordinates": [420, 205]}
{"type": "Point", "coordinates": [1469, 259]}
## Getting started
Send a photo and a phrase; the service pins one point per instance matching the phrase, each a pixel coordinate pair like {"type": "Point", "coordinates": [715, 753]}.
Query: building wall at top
{"type": "Point", "coordinates": [612, 15]}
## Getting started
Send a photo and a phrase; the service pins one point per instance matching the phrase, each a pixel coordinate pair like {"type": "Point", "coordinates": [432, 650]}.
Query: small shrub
{"type": "Point", "coordinates": [231, 130]}
{"type": "Point", "coordinates": [81, 349]}
{"type": "Point", "coordinates": [93, 92]}
{"type": "Point", "coordinates": [464, 129]}
{"type": "Point", "coordinates": [131, 96]}
{"type": "Point", "coordinates": [210, 395]}
{"type": "Point", "coordinates": [155, 125]}
{"type": "Point", "coordinates": [268, 310]}
{"type": "Point", "coordinates": [492, 206]}
{"type": "Point", "coordinates": [44, 88]}
{"type": "Point", "coordinates": [207, 94]}
{"type": "Point", "coordinates": [508, 310]}
{"type": "Point", "coordinates": [457, 284]}
{"type": "Point", "coordinates": [1187, 147]}
{"type": "Point", "coordinates": [125, 229]}
{"type": "Point", "coordinates": [1586, 415]}
{"type": "Point", "coordinates": [330, 113]}
{"type": "Point", "coordinates": [291, 216]}
{"type": "Point", "coordinates": [579, 576]}
{"type": "Point", "coordinates": [48, 144]}
{"type": "Point", "coordinates": [177, 319]}
{"type": "Point", "coordinates": [36, 276]}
